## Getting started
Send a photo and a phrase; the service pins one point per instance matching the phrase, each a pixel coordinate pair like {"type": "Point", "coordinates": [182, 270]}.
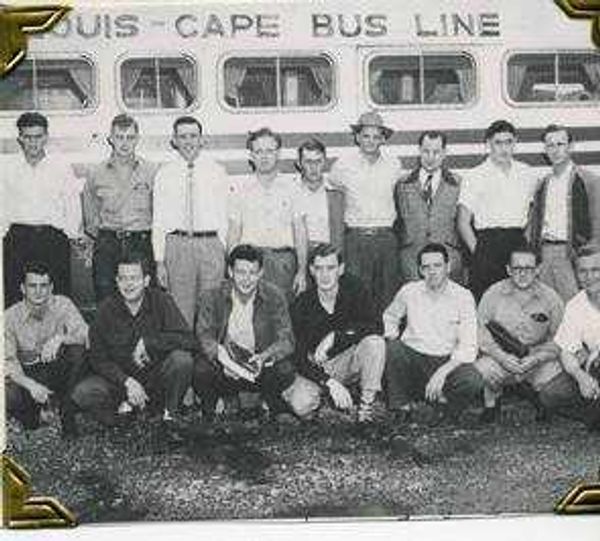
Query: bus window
{"type": "Point", "coordinates": [422, 79]}
{"type": "Point", "coordinates": [554, 77]}
{"type": "Point", "coordinates": [250, 82]}
{"type": "Point", "coordinates": [158, 83]}
{"type": "Point", "coordinates": [49, 84]}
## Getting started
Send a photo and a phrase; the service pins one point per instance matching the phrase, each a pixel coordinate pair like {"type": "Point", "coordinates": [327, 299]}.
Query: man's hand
{"type": "Point", "coordinates": [140, 355]}
{"type": "Point", "coordinates": [258, 359]}
{"type": "Point", "coordinates": [40, 393]}
{"type": "Point", "coordinates": [528, 362]}
{"type": "Point", "coordinates": [222, 355]}
{"type": "Point", "coordinates": [588, 386]}
{"type": "Point", "coordinates": [50, 348]}
{"type": "Point", "coordinates": [435, 385]}
{"type": "Point", "coordinates": [299, 284]}
{"type": "Point", "coordinates": [339, 394]}
{"type": "Point", "coordinates": [162, 275]}
{"type": "Point", "coordinates": [136, 394]}
{"type": "Point", "coordinates": [512, 364]}
{"type": "Point", "coordinates": [324, 346]}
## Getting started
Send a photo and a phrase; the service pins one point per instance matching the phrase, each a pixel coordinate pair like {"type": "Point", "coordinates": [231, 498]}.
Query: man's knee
{"type": "Point", "coordinates": [373, 347]}
{"type": "Point", "coordinates": [92, 393]}
{"type": "Point", "coordinates": [492, 373]}
{"type": "Point", "coordinates": [179, 362]}
{"type": "Point", "coordinates": [303, 396]}
{"type": "Point", "coordinates": [465, 381]}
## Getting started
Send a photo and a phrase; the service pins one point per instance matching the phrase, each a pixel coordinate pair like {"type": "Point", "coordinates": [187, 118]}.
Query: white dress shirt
{"type": "Point", "coordinates": [580, 325]}
{"type": "Point", "coordinates": [435, 179]}
{"type": "Point", "coordinates": [497, 198]}
{"type": "Point", "coordinates": [314, 205]}
{"type": "Point", "coordinates": [189, 198]}
{"type": "Point", "coordinates": [240, 328]}
{"type": "Point", "coordinates": [47, 193]}
{"type": "Point", "coordinates": [556, 213]}
{"type": "Point", "coordinates": [439, 324]}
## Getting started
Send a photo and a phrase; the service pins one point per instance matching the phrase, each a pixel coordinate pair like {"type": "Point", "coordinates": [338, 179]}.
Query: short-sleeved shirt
{"type": "Point", "coordinates": [369, 189]}
{"type": "Point", "coordinates": [436, 324]}
{"type": "Point", "coordinates": [266, 213]}
{"type": "Point", "coordinates": [46, 193]}
{"type": "Point", "coordinates": [313, 204]}
{"type": "Point", "coordinates": [580, 327]}
{"type": "Point", "coordinates": [496, 198]}
{"type": "Point", "coordinates": [111, 202]}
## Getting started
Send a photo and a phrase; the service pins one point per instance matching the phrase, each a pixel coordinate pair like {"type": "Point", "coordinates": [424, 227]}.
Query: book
{"type": "Point", "coordinates": [237, 361]}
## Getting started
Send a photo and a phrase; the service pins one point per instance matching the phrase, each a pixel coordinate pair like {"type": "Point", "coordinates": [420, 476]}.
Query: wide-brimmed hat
{"type": "Point", "coordinates": [372, 118]}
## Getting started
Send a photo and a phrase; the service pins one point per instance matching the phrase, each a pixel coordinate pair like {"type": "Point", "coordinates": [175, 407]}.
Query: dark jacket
{"type": "Point", "coordinates": [353, 319]}
{"type": "Point", "coordinates": [271, 321]}
{"type": "Point", "coordinates": [335, 205]}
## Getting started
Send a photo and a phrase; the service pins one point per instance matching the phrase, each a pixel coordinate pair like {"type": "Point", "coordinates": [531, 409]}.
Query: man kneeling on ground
{"type": "Point", "coordinates": [44, 345]}
{"type": "Point", "coordinates": [518, 317]}
{"type": "Point", "coordinates": [140, 350]}
{"type": "Point", "coordinates": [433, 359]}
{"type": "Point", "coordinates": [246, 336]}
{"type": "Point", "coordinates": [338, 337]}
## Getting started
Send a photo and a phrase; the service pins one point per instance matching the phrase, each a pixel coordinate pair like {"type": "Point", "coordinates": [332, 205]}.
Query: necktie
{"type": "Point", "coordinates": [189, 199]}
{"type": "Point", "coordinates": [428, 189]}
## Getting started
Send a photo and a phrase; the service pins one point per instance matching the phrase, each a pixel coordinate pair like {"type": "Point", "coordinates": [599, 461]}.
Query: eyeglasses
{"type": "Point", "coordinates": [523, 269]}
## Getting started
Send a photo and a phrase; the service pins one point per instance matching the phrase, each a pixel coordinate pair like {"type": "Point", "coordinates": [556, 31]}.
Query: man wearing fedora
{"type": "Point", "coordinates": [367, 179]}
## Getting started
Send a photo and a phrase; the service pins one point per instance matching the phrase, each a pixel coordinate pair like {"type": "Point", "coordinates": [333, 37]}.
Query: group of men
{"type": "Point", "coordinates": [298, 281]}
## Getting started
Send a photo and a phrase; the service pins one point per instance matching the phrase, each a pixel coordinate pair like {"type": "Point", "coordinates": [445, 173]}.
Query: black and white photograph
{"type": "Point", "coordinates": [303, 260]}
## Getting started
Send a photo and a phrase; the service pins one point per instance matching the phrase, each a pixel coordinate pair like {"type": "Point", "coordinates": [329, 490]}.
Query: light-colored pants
{"type": "Point", "coordinates": [557, 270]}
{"type": "Point", "coordinates": [193, 264]}
{"type": "Point", "coordinates": [363, 363]}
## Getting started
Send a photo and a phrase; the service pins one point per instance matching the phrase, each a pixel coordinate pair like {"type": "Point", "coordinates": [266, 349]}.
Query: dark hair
{"type": "Point", "coordinates": [31, 119]}
{"type": "Point", "coordinates": [551, 128]}
{"type": "Point", "coordinates": [587, 250]}
{"type": "Point", "coordinates": [186, 120]}
{"type": "Point", "coordinates": [136, 258]}
{"type": "Point", "coordinates": [35, 267]}
{"type": "Point", "coordinates": [499, 126]}
{"type": "Point", "coordinates": [246, 252]}
{"type": "Point", "coordinates": [433, 248]}
{"type": "Point", "coordinates": [312, 144]}
{"type": "Point", "coordinates": [123, 122]}
{"type": "Point", "coordinates": [433, 134]}
{"type": "Point", "coordinates": [525, 248]}
{"type": "Point", "coordinates": [323, 250]}
{"type": "Point", "coordinates": [262, 132]}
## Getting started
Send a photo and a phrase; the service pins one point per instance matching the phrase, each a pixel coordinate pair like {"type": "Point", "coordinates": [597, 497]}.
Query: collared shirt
{"type": "Point", "coordinates": [116, 331]}
{"type": "Point", "coordinates": [531, 316]}
{"type": "Point", "coordinates": [496, 198]}
{"type": "Point", "coordinates": [440, 324]}
{"type": "Point", "coordinates": [112, 202]}
{"type": "Point", "coordinates": [47, 193]}
{"type": "Point", "coordinates": [436, 178]}
{"type": "Point", "coordinates": [315, 206]}
{"type": "Point", "coordinates": [240, 328]}
{"type": "Point", "coordinates": [580, 327]}
{"type": "Point", "coordinates": [172, 201]}
{"type": "Point", "coordinates": [555, 226]}
{"type": "Point", "coordinates": [26, 330]}
{"type": "Point", "coordinates": [369, 189]}
{"type": "Point", "coordinates": [266, 213]}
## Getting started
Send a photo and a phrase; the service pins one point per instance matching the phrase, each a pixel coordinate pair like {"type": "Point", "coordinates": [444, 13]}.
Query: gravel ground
{"type": "Point", "coordinates": [327, 468]}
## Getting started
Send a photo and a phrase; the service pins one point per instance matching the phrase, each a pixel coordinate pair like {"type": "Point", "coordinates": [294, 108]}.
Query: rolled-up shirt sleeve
{"type": "Point", "coordinates": [569, 336]}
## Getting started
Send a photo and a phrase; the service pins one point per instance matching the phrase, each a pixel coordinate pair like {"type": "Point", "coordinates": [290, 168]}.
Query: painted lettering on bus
{"type": "Point", "coordinates": [457, 24]}
{"type": "Point", "coordinates": [262, 25]}
{"type": "Point", "coordinates": [97, 25]}
{"type": "Point", "coordinates": [348, 26]}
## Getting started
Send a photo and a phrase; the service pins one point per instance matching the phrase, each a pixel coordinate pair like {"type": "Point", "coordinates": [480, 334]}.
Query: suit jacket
{"type": "Point", "coordinates": [271, 321]}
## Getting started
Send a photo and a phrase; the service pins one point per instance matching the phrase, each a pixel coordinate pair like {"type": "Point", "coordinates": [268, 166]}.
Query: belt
{"type": "Point", "coordinates": [369, 231]}
{"type": "Point", "coordinates": [195, 234]}
{"type": "Point", "coordinates": [121, 234]}
{"type": "Point", "coordinates": [551, 241]}
{"type": "Point", "coordinates": [282, 250]}
{"type": "Point", "coordinates": [32, 227]}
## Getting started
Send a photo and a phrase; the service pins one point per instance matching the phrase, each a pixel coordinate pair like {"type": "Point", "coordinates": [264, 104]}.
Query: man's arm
{"type": "Point", "coordinates": [207, 325]}
{"type": "Point", "coordinates": [283, 346]}
{"type": "Point", "coordinates": [91, 207]}
{"type": "Point", "coordinates": [582, 223]}
{"type": "Point", "coordinates": [548, 350]}
{"type": "Point", "coordinates": [100, 356]}
{"type": "Point", "coordinates": [76, 329]}
{"type": "Point", "coordinates": [464, 227]}
{"type": "Point", "coordinates": [159, 231]}
{"type": "Point", "coordinates": [301, 245]}
{"type": "Point", "coordinates": [393, 314]}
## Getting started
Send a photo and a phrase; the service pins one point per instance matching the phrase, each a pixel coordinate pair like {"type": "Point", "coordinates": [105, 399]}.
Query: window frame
{"type": "Point", "coordinates": [92, 62]}
{"type": "Point", "coordinates": [157, 56]}
{"type": "Point", "coordinates": [546, 104]}
{"type": "Point", "coordinates": [420, 54]}
{"type": "Point", "coordinates": [277, 55]}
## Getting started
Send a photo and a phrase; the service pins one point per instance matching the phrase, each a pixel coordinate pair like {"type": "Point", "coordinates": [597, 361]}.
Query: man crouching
{"type": "Point", "coordinates": [338, 335]}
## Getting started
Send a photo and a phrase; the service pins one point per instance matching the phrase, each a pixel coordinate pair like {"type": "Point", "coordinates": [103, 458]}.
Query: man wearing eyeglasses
{"type": "Point", "coordinates": [517, 319]}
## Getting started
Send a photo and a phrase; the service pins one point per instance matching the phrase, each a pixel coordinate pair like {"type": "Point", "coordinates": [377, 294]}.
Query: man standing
{"type": "Point", "coordinates": [189, 228]}
{"type": "Point", "coordinates": [245, 321]}
{"type": "Point", "coordinates": [117, 205]}
{"type": "Point", "coordinates": [576, 391]}
{"type": "Point", "coordinates": [433, 359]}
{"type": "Point", "coordinates": [367, 180]}
{"type": "Point", "coordinates": [321, 205]}
{"type": "Point", "coordinates": [493, 206]}
{"type": "Point", "coordinates": [140, 349]}
{"type": "Point", "coordinates": [560, 218]}
{"type": "Point", "coordinates": [41, 209]}
{"type": "Point", "coordinates": [426, 206]}
{"type": "Point", "coordinates": [518, 317]}
{"type": "Point", "coordinates": [44, 345]}
{"type": "Point", "coordinates": [338, 339]}
{"type": "Point", "coordinates": [265, 214]}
